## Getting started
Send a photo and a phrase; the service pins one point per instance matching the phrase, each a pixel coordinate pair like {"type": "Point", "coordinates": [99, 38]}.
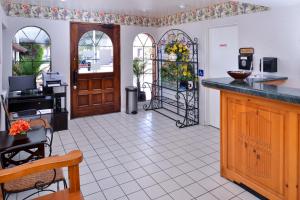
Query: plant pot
{"type": "Point", "coordinates": [20, 138]}
{"type": "Point", "coordinates": [172, 57]}
{"type": "Point", "coordinates": [183, 85]}
{"type": "Point", "coordinates": [190, 85]}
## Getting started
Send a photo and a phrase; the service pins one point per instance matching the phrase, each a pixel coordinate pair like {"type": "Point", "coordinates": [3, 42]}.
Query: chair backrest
{"type": "Point", "coordinates": [70, 160]}
{"type": "Point", "coordinates": [10, 157]}
{"type": "Point", "coordinates": [5, 108]}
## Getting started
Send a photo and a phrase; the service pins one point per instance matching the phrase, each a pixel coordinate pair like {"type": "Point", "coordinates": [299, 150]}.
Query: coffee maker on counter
{"type": "Point", "coordinates": [246, 58]}
{"type": "Point", "coordinates": [267, 64]}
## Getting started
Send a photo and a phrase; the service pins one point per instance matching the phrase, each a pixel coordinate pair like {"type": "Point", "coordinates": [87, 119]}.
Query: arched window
{"type": "Point", "coordinates": [95, 51]}
{"type": "Point", "coordinates": [31, 52]}
{"type": "Point", "coordinates": [142, 53]}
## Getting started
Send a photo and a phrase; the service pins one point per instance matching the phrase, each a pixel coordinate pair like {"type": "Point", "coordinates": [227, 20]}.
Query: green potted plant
{"type": "Point", "coordinates": [139, 70]}
{"type": "Point", "coordinates": [169, 74]}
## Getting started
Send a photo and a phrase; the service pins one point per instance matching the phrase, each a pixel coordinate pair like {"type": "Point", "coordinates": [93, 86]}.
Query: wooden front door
{"type": "Point", "coordinates": [95, 69]}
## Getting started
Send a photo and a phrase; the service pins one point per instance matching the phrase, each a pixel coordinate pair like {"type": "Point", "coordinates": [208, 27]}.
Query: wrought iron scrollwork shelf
{"type": "Point", "coordinates": [184, 104]}
{"type": "Point", "coordinates": [169, 97]}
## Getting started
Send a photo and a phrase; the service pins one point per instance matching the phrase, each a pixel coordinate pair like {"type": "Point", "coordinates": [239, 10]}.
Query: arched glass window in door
{"type": "Point", "coordinates": [31, 49]}
{"type": "Point", "coordinates": [142, 52]}
{"type": "Point", "coordinates": [95, 52]}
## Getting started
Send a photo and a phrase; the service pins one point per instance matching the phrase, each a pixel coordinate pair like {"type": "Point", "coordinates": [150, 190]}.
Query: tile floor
{"type": "Point", "coordinates": [145, 156]}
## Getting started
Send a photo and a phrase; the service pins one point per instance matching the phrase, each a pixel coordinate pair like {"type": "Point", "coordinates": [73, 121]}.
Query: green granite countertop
{"type": "Point", "coordinates": [257, 87]}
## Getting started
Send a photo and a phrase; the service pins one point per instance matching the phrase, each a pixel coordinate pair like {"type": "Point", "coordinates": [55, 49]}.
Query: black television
{"type": "Point", "coordinates": [22, 83]}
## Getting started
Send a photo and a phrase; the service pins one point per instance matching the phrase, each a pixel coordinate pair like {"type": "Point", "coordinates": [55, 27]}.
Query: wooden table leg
{"type": "Point", "coordinates": [41, 150]}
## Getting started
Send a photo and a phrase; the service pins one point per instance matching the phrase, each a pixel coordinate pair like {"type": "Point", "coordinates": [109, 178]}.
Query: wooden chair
{"type": "Point", "coordinates": [34, 117]}
{"type": "Point", "coordinates": [39, 181]}
{"type": "Point", "coordinates": [70, 160]}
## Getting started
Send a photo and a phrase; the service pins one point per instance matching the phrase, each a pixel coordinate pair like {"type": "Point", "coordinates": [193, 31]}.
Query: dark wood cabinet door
{"type": "Point", "coordinates": [95, 69]}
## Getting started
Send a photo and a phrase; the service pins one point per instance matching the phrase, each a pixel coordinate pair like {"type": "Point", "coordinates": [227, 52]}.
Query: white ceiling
{"type": "Point", "coordinates": [153, 8]}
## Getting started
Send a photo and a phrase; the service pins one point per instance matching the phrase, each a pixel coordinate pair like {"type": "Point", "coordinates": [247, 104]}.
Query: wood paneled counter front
{"type": "Point", "coordinates": [260, 138]}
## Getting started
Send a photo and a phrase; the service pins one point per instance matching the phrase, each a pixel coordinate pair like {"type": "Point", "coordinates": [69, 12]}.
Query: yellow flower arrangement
{"type": "Point", "coordinates": [181, 50]}
{"type": "Point", "coordinates": [185, 70]}
{"type": "Point", "coordinates": [181, 71]}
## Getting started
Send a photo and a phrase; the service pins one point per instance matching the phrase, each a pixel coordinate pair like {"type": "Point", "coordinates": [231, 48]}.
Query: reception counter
{"type": "Point", "coordinates": [260, 128]}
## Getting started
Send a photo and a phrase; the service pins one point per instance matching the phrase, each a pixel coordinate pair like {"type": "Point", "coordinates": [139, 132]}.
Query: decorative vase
{"type": "Point", "coordinates": [19, 138]}
{"type": "Point", "coordinates": [190, 85]}
{"type": "Point", "coordinates": [172, 57]}
{"type": "Point", "coordinates": [183, 85]}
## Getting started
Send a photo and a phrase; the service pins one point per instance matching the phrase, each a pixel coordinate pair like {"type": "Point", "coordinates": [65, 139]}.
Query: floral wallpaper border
{"type": "Point", "coordinates": [227, 9]}
{"type": "Point", "coordinates": [230, 8]}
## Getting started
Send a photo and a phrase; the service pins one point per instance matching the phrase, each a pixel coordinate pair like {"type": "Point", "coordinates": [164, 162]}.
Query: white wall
{"type": "Point", "coordinates": [3, 24]}
{"type": "Point", "coordinates": [272, 33]}
{"type": "Point", "coordinates": [59, 32]}
{"type": "Point", "coordinates": [128, 33]}
{"type": "Point", "coordinates": [60, 44]}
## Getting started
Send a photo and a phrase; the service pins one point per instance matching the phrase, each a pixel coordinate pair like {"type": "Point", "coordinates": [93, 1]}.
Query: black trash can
{"type": "Point", "coordinates": [131, 100]}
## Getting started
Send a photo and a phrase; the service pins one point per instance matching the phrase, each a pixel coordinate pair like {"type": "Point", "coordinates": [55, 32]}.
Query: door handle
{"type": "Point", "coordinates": [75, 79]}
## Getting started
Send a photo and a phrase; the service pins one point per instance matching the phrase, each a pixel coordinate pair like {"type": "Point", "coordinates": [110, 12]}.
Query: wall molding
{"type": "Point", "coordinates": [221, 10]}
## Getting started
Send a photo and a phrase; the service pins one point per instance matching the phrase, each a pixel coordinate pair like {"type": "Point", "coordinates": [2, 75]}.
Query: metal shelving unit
{"type": "Point", "coordinates": [169, 98]}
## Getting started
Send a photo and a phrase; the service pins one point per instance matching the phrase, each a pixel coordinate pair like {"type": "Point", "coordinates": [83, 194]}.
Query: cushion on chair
{"type": "Point", "coordinates": [40, 122]}
{"type": "Point", "coordinates": [29, 182]}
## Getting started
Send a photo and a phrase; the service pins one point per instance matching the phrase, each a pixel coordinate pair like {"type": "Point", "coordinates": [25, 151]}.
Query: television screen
{"type": "Point", "coordinates": [22, 83]}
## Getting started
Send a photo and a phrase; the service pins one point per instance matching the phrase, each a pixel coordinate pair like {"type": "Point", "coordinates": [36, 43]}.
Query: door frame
{"type": "Point", "coordinates": [208, 68]}
{"type": "Point", "coordinates": [116, 61]}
